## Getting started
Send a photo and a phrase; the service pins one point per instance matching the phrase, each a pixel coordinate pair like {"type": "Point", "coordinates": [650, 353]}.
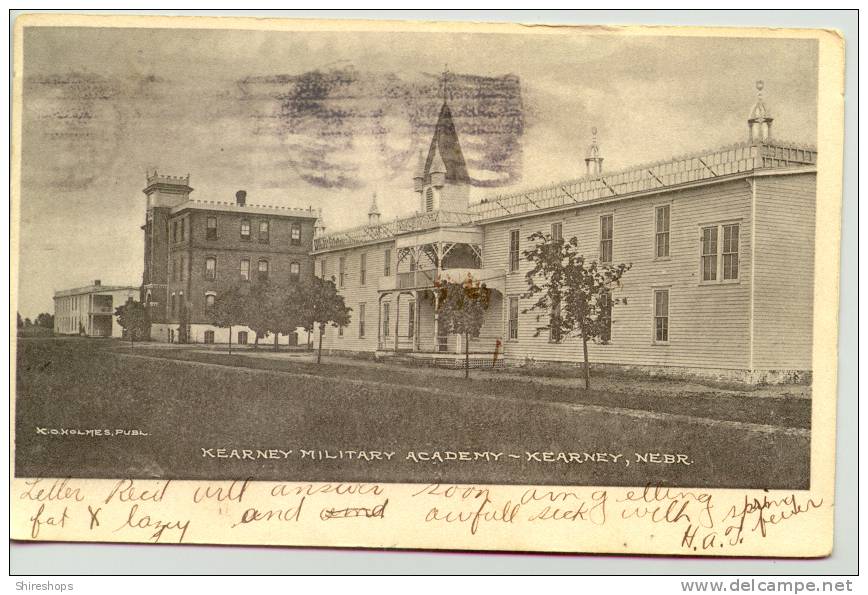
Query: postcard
{"type": "Point", "coordinates": [412, 285]}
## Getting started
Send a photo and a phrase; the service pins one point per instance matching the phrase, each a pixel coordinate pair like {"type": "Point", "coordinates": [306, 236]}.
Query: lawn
{"type": "Point", "coordinates": [262, 404]}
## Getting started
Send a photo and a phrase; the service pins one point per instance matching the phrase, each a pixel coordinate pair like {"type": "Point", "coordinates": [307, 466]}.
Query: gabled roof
{"type": "Point", "coordinates": [445, 142]}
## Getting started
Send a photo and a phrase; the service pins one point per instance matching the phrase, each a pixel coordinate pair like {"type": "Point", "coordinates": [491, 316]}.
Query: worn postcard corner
{"type": "Point", "coordinates": [434, 286]}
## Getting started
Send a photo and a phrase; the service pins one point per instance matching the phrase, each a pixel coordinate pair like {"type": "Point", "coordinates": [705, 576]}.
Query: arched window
{"type": "Point", "coordinates": [209, 300]}
{"type": "Point", "coordinates": [210, 268]}
{"type": "Point", "coordinates": [294, 271]}
{"type": "Point", "coordinates": [263, 268]}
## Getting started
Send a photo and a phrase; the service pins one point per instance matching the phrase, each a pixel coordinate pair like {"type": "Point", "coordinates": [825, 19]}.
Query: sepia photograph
{"type": "Point", "coordinates": [337, 256]}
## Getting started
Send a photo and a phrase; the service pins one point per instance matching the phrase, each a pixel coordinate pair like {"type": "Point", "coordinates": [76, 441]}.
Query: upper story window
{"type": "Point", "coordinates": [210, 268]}
{"type": "Point", "coordinates": [209, 300]}
{"type": "Point", "coordinates": [295, 234]}
{"type": "Point", "coordinates": [181, 273]}
{"type": "Point", "coordinates": [557, 232]}
{"type": "Point", "coordinates": [245, 269]}
{"type": "Point", "coordinates": [513, 250]}
{"type": "Point", "coordinates": [174, 231]}
{"type": "Point", "coordinates": [183, 228]}
{"type": "Point", "coordinates": [263, 269]}
{"type": "Point", "coordinates": [387, 262]}
{"type": "Point", "coordinates": [429, 200]}
{"type": "Point", "coordinates": [211, 228]}
{"type": "Point", "coordinates": [606, 238]}
{"type": "Point", "coordinates": [294, 271]}
{"type": "Point", "coordinates": [342, 270]}
{"type": "Point", "coordinates": [719, 260]}
{"type": "Point", "coordinates": [363, 268]}
{"type": "Point", "coordinates": [263, 232]}
{"type": "Point", "coordinates": [245, 229]}
{"type": "Point", "coordinates": [661, 233]}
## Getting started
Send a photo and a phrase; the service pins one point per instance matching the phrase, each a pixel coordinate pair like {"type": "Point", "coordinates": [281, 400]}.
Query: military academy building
{"type": "Point", "coordinates": [721, 243]}
{"type": "Point", "coordinates": [195, 249]}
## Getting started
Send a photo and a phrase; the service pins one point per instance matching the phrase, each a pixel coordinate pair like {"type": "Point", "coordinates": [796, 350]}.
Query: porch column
{"type": "Point", "coordinates": [416, 316]}
{"type": "Point", "coordinates": [436, 323]}
{"type": "Point", "coordinates": [397, 318]}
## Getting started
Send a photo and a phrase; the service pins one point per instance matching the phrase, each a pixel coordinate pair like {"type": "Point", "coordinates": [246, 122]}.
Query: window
{"type": "Point", "coordinates": [513, 318]}
{"type": "Point", "coordinates": [210, 268]}
{"type": "Point", "coordinates": [555, 324]}
{"type": "Point", "coordinates": [411, 322]}
{"type": "Point", "coordinates": [263, 232]}
{"type": "Point", "coordinates": [211, 229]}
{"type": "Point", "coordinates": [661, 315]}
{"type": "Point", "coordinates": [363, 268]}
{"type": "Point", "coordinates": [245, 269]}
{"type": "Point", "coordinates": [245, 229]}
{"type": "Point", "coordinates": [606, 238]}
{"type": "Point", "coordinates": [605, 317]}
{"type": "Point", "coordinates": [174, 231]}
{"type": "Point", "coordinates": [557, 232]}
{"type": "Point", "coordinates": [513, 250]}
{"type": "Point", "coordinates": [730, 252]}
{"type": "Point", "coordinates": [412, 261]}
{"type": "Point", "coordinates": [340, 331]}
{"type": "Point", "coordinates": [342, 272]}
{"type": "Point", "coordinates": [294, 271]}
{"type": "Point", "coordinates": [263, 269]}
{"type": "Point", "coordinates": [183, 228]}
{"type": "Point", "coordinates": [182, 268]}
{"type": "Point", "coordinates": [173, 305]}
{"type": "Point", "coordinates": [209, 300]}
{"type": "Point", "coordinates": [295, 234]}
{"type": "Point", "coordinates": [661, 237]}
{"type": "Point", "coordinates": [386, 324]}
{"type": "Point", "coordinates": [361, 320]}
{"type": "Point", "coordinates": [387, 262]}
{"type": "Point", "coordinates": [322, 268]}
{"type": "Point", "coordinates": [209, 336]}
{"type": "Point", "coordinates": [709, 253]}
{"type": "Point", "coordinates": [429, 200]}
{"type": "Point", "coordinates": [242, 337]}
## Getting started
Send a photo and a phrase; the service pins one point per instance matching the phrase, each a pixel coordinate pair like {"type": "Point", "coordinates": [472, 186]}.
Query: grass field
{"type": "Point", "coordinates": [188, 400]}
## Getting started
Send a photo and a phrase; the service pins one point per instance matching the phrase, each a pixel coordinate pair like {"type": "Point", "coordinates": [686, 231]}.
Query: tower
{"type": "Point", "coordinates": [374, 212]}
{"type": "Point", "coordinates": [760, 122]}
{"type": "Point", "coordinates": [319, 226]}
{"type": "Point", "coordinates": [441, 180]}
{"type": "Point", "coordinates": [593, 157]}
{"type": "Point", "coordinates": [163, 193]}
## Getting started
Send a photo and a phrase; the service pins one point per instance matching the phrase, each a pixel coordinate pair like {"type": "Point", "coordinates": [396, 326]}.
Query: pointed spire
{"type": "Point", "coordinates": [760, 122]}
{"type": "Point", "coordinates": [374, 212]}
{"type": "Point", "coordinates": [445, 144]}
{"type": "Point", "coordinates": [593, 158]}
{"type": "Point", "coordinates": [437, 164]}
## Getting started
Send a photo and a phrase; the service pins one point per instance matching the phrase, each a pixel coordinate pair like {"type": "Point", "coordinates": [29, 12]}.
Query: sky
{"type": "Point", "coordinates": [325, 119]}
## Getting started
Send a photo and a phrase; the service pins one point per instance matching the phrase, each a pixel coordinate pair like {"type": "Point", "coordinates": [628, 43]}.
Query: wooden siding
{"type": "Point", "coordinates": [784, 272]}
{"type": "Point", "coordinates": [709, 324]}
{"type": "Point", "coordinates": [354, 294]}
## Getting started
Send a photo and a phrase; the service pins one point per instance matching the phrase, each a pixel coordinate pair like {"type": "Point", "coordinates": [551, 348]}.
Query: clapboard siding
{"type": "Point", "coordinates": [784, 272]}
{"type": "Point", "coordinates": [709, 325]}
{"type": "Point", "coordinates": [355, 294]}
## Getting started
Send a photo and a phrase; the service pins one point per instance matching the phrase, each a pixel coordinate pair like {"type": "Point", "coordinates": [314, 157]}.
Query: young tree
{"type": "Point", "coordinates": [323, 305]}
{"type": "Point", "coordinates": [133, 319]}
{"type": "Point", "coordinates": [290, 307]}
{"type": "Point", "coordinates": [260, 311]}
{"type": "Point", "coordinates": [461, 310]}
{"type": "Point", "coordinates": [575, 293]}
{"type": "Point", "coordinates": [228, 310]}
